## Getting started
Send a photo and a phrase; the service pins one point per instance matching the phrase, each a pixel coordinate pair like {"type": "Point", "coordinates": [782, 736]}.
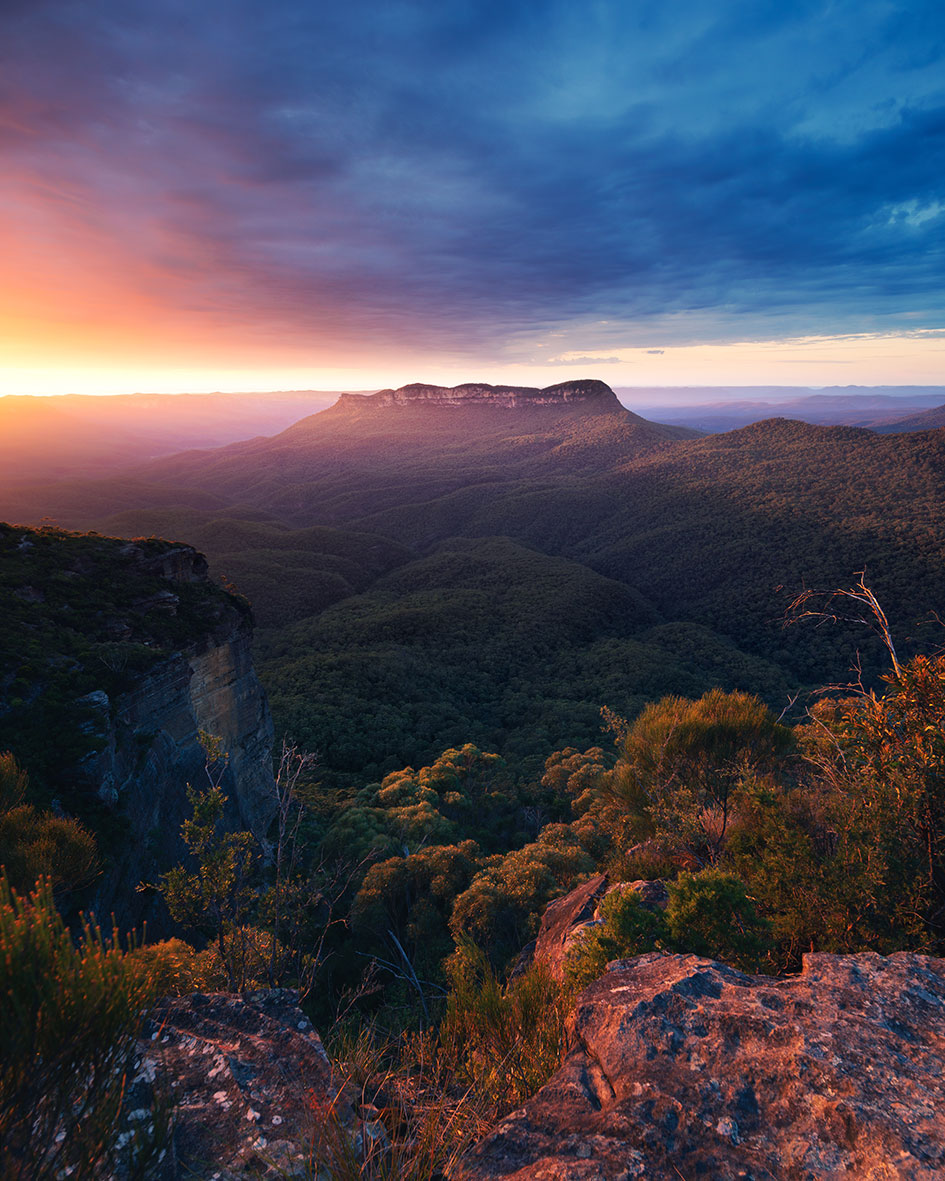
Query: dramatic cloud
{"type": "Point", "coordinates": [534, 179]}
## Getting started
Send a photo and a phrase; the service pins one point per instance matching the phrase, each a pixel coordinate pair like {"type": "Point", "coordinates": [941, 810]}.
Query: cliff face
{"type": "Point", "coordinates": [120, 654]}
{"type": "Point", "coordinates": [592, 394]}
{"type": "Point", "coordinates": [150, 751]}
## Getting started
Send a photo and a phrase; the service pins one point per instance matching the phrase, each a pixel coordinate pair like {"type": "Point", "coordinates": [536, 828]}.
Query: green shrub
{"type": "Point", "coordinates": [37, 844]}
{"type": "Point", "coordinates": [501, 909]}
{"type": "Point", "coordinates": [710, 914]}
{"type": "Point", "coordinates": [682, 764]}
{"type": "Point", "coordinates": [627, 929]}
{"type": "Point", "coordinates": [216, 900]}
{"type": "Point", "coordinates": [410, 899]}
{"type": "Point", "coordinates": [501, 1043]}
{"type": "Point", "coordinates": [69, 1017]}
{"type": "Point", "coordinates": [174, 968]}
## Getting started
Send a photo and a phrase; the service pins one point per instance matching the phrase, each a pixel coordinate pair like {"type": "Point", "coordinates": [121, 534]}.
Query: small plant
{"type": "Point", "coordinates": [174, 968]}
{"type": "Point", "coordinates": [69, 1018]}
{"type": "Point", "coordinates": [708, 914]}
{"type": "Point", "coordinates": [216, 899]}
{"type": "Point", "coordinates": [398, 1114]}
{"type": "Point", "coordinates": [420, 1100]}
{"type": "Point", "coordinates": [628, 929]}
{"type": "Point", "coordinates": [37, 843]}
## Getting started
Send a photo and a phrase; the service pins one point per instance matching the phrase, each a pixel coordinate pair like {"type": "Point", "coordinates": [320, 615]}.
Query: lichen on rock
{"type": "Point", "coordinates": [683, 1067]}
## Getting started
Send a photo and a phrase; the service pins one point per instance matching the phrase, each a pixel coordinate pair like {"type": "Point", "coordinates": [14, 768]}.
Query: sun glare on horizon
{"type": "Point", "coordinates": [685, 198]}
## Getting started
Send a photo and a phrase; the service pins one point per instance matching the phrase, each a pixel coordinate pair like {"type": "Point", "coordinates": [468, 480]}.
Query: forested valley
{"type": "Point", "coordinates": [507, 648]}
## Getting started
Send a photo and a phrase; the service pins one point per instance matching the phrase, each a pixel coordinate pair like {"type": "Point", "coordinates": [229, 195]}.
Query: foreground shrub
{"type": "Point", "coordinates": [69, 1017]}
{"type": "Point", "coordinates": [682, 764]}
{"type": "Point", "coordinates": [413, 1122]}
{"type": "Point", "coordinates": [627, 929]}
{"type": "Point", "coordinates": [40, 844]}
{"type": "Point", "coordinates": [879, 768]}
{"type": "Point", "coordinates": [708, 914]}
{"type": "Point", "coordinates": [501, 1042]}
{"type": "Point", "coordinates": [174, 968]}
{"type": "Point", "coordinates": [422, 1099]}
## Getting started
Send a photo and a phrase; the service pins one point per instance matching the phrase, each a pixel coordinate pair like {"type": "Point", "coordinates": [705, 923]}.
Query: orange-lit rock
{"type": "Point", "coordinates": [681, 1067]}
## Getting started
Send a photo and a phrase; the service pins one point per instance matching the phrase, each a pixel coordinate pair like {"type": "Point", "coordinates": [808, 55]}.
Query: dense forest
{"type": "Point", "coordinates": [498, 575]}
{"type": "Point", "coordinates": [508, 651]}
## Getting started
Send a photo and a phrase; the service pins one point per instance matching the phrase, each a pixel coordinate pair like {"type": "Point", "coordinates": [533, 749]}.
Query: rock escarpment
{"type": "Point", "coordinates": [591, 394]}
{"type": "Point", "coordinates": [114, 656]}
{"type": "Point", "coordinates": [150, 752]}
{"type": "Point", "coordinates": [681, 1067]}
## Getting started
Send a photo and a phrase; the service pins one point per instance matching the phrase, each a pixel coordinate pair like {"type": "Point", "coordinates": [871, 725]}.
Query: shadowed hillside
{"type": "Point", "coordinates": [347, 529]}
{"type": "Point", "coordinates": [927, 420]}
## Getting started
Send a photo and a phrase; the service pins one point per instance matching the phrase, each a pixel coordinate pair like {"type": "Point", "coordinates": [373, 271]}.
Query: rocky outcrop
{"type": "Point", "coordinates": [565, 918]}
{"type": "Point", "coordinates": [683, 1068]}
{"type": "Point", "coordinates": [107, 679]}
{"type": "Point", "coordinates": [251, 1088]}
{"type": "Point", "coordinates": [594, 394]}
{"type": "Point", "coordinates": [562, 921]}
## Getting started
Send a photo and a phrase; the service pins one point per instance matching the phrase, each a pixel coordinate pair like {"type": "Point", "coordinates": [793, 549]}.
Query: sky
{"type": "Point", "coordinates": [288, 194]}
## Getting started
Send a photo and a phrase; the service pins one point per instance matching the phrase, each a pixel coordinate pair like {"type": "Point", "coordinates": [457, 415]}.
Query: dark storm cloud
{"type": "Point", "coordinates": [465, 172]}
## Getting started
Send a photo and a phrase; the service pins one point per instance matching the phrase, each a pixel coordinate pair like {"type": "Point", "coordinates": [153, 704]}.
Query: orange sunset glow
{"type": "Point", "coordinates": [190, 210]}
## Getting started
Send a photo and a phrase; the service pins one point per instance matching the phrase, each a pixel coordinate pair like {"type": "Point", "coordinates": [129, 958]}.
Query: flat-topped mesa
{"type": "Point", "coordinates": [596, 395]}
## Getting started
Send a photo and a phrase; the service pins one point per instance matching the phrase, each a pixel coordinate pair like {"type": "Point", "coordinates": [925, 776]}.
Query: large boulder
{"type": "Point", "coordinates": [250, 1085]}
{"type": "Point", "coordinates": [684, 1068]}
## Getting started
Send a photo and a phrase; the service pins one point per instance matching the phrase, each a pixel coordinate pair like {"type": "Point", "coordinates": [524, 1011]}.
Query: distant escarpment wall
{"type": "Point", "coordinates": [591, 393]}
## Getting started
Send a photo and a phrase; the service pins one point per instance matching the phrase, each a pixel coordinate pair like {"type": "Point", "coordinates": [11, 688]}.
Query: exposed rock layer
{"type": "Point", "coordinates": [561, 921]}
{"type": "Point", "coordinates": [114, 655]}
{"type": "Point", "coordinates": [151, 752]}
{"type": "Point", "coordinates": [681, 1067]}
{"type": "Point", "coordinates": [150, 748]}
{"type": "Point", "coordinates": [509, 397]}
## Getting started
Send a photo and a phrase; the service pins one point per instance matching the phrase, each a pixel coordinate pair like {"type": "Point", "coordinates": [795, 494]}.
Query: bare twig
{"type": "Point", "coordinates": [834, 608]}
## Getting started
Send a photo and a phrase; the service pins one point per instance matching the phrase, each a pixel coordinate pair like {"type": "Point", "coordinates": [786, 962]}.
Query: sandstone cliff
{"type": "Point", "coordinates": [116, 655]}
{"type": "Point", "coordinates": [591, 394]}
{"type": "Point", "coordinates": [151, 751]}
{"type": "Point", "coordinates": [682, 1068]}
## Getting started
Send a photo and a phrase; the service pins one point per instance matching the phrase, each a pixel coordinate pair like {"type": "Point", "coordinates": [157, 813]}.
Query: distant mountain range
{"type": "Point", "coordinates": [83, 435]}
{"type": "Point", "coordinates": [78, 436]}
{"type": "Point", "coordinates": [924, 420]}
{"type": "Point", "coordinates": [886, 408]}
